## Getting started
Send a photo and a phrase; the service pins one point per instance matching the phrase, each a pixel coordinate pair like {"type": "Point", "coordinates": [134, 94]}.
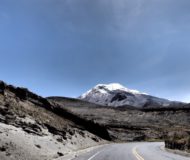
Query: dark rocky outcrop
{"type": "Point", "coordinates": [119, 97]}
{"type": "Point", "coordinates": [23, 94]}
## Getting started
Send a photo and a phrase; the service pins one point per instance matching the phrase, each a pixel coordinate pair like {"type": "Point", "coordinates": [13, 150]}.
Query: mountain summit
{"type": "Point", "coordinates": [115, 94]}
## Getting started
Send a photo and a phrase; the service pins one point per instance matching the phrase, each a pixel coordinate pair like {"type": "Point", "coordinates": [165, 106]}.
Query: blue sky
{"type": "Point", "coordinates": [65, 47]}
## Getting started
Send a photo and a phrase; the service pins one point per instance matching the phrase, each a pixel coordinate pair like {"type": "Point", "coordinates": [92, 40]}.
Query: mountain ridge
{"type": "Point", "coordinates": [115, 95]}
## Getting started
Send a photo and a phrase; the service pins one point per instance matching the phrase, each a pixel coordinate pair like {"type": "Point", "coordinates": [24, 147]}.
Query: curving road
{"type": "Point", "coordinates": [132, 151]}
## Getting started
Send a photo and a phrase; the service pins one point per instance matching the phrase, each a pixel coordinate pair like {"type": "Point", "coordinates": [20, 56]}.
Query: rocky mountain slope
{"type": "Point", "coordinates": [129, 123]}
{"type": "Point", "coordinates": [116, 95]}
{"type": "Point", "coordinates": [32, 128]}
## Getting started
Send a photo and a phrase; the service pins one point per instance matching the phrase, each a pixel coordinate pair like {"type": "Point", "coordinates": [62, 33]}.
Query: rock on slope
{"type": "Point", "coordinates": [116, 95]}
{"type": "Point", "coordinates": [33, 128]}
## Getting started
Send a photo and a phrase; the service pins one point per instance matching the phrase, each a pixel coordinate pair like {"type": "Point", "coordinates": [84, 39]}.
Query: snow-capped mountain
{"type": "Point", "coordinates": [115, 95]}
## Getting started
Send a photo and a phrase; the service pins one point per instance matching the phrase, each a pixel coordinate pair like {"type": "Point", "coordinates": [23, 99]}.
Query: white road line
{"type": "Point", "coordinates": [94, 155]}
{"type": "Point", "coordinates": [136, 154]}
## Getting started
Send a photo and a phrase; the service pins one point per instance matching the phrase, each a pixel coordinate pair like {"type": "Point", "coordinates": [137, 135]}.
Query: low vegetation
{"type": "Point", "coordinates": [178, 140]}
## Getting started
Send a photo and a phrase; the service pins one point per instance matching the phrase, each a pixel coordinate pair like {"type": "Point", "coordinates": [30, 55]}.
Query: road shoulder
{"type": "Point", "coordinates": [182, 153]}
{"type": "Point", "coordinates": [75, 154]}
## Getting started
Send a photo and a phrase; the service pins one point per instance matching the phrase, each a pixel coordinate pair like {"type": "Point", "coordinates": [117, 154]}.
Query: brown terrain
{"type": "Point", "coordinates": [130, 124]}
{"type": "Point", "coordinates": [33, 127]}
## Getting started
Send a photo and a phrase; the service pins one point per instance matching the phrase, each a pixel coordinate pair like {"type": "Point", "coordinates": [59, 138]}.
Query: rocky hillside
{"type": "Point", "coordinates": [33, 128]}
{"type": "Point", "coordinates": [116, 95]}
{"type": "Point", "coordinates": [129, 123]}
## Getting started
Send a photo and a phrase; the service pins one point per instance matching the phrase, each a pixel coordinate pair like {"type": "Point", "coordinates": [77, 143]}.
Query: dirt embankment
{"type": "Point", "coordinates": [33, 128]}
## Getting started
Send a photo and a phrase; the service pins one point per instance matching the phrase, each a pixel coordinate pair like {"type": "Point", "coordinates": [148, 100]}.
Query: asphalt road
{"type": "Point", "coordinates": [132, 151]}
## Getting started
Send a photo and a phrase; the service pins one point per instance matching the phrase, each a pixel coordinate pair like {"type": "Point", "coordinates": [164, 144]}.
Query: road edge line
{"type": "Point", "coordinates": [94, 155]}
